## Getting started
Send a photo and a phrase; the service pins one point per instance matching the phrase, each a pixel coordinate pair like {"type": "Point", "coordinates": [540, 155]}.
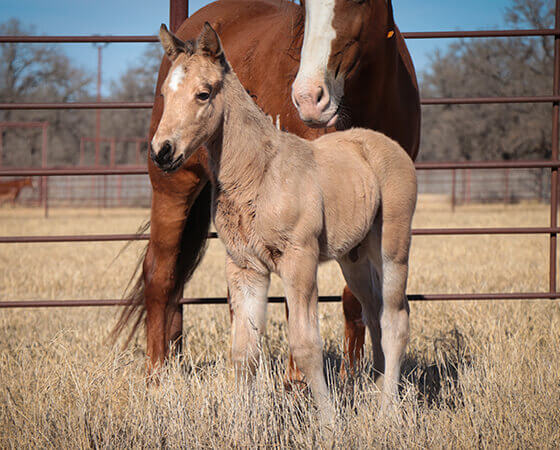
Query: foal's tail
{"type": "Point", "coordinates": [193, 246]}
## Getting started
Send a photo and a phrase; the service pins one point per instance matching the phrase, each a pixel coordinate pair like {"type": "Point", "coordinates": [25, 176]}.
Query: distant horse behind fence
{"type": "Point", "coordinates": [10, 190]}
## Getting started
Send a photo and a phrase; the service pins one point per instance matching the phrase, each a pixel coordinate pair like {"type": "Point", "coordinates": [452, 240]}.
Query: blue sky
{"type": "Point", "coordinates": [87, 17]}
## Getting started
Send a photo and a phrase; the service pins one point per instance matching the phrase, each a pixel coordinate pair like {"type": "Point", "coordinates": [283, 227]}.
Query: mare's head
{"type": "Point", "coordinates": [193, 99]}
{"type": "Point", "coordinates": [338, 33]}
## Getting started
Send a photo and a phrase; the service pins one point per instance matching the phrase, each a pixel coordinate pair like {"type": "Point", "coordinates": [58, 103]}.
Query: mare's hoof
{"type": "Point", "coordinates": [295, 385]}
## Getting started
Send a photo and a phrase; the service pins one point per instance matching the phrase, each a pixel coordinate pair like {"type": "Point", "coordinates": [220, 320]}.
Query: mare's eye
{"type": "Point", "coordinates": [203, 96]}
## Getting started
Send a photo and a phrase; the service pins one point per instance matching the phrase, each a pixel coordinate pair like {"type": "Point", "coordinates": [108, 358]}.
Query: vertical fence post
{"type": "Point", "coordinates": [82, 151]}
{"type": "Point", "coordinates": [112, 163]}
{"type": "Point", "coordinates": [468, 193]}
{"type": "Point", "coordinates": [137, 152]}
{"type": "Point", "coordinates": [45, 187]}
{"type": "Point", "coordinates": [507, 198]}
{"type": "Point", "coordinates": [1, 144]}
{"type": "Point", "coordinates": [178, 12]}
{"type": "Point", "coordinates": [554, 155]}
{"type": "Point", "coordinates": [453, 189]}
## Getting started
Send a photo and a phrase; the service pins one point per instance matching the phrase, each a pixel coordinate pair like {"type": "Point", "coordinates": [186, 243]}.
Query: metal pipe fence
{"type": "Point", "coordinates": [178, 12]}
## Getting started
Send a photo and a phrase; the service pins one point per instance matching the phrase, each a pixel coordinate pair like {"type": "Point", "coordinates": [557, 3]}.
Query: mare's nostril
{"type": "Point", "coordinates": [320, 94]}
{"type": "Point", "coordinates": [295, 100]}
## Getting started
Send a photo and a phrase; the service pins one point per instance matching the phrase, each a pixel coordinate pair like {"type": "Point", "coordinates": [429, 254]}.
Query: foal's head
{"type": "Point", "coordinates": [341, 37]}
{"type": "Point", "coordinates": [193, 98]}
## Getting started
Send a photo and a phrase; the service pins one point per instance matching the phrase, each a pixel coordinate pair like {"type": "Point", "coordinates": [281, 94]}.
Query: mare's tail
{"type": "Point", "coordinates": [193, 246]}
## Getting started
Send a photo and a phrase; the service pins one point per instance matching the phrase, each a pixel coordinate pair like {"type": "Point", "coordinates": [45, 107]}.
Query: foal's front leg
{"type": "Point", "coordinates": [248, 299]}
{"type": "Point", "coordinates": [298, 270]}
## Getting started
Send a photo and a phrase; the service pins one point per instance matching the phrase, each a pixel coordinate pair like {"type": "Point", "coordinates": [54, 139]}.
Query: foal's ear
{"type": "Point", "coordinates": [172, 45]}
{"type": "Point", "coordinates": [208, 42]}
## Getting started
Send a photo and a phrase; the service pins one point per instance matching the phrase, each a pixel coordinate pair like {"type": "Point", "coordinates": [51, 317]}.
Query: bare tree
{"type": "Point", "coordinates": [34, 72]}
{"type": "Point", "coordinates": [492, 67]}
{"type": "Point", "coordinates": [136, 84]}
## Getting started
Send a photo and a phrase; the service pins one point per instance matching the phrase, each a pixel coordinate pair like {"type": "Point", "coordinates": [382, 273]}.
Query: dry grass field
{"type": "Point", "coordinates": [476, 374]}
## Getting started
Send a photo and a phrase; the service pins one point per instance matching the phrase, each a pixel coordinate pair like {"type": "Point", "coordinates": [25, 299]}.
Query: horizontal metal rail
{"type": "Point", "coordinates": [76, 39]}
{"type": "Point", "coordinates": [75, 171]}
{"type": "Point", "coordinates": [142, 170]}
{"type": "Point", "coordinates": [519, 164]}
{"type": "Point", "coordinates": [76, 105]}
{"type": "Point", "coordinates": [407, 35]}
{"type": "Point", "coordinates": [480, 34]}
{"type": "Point", "coordinates": [322, 299]}
{"type": "Point", "coordinates": [489, 100]}
{"type": "Point", "coordinates": [214, 235]}
{"type": "Point", "coordinates": [148, 105]}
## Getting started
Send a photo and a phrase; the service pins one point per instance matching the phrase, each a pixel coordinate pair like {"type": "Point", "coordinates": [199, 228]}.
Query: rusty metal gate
{"type": "Point", "coordinates": [178, 13]}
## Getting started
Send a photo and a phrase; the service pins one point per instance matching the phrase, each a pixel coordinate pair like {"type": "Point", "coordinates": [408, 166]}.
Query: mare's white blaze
{"type": "Point", "coordinates": [177, 77]}
{"type": "Point", "coordinates": [317, 39]}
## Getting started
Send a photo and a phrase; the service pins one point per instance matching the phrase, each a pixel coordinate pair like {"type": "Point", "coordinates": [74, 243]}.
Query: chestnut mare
{"type": "Point", "coordinates": [355, 71]}
{"type": "Point", "coordinates": [282, 204]}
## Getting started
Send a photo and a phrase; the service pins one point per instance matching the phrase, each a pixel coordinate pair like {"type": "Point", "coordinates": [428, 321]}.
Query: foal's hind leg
{"type": "Point", "coordinates": [354, 335]}
{"type": "Point", "coordinates": [298, 270]}
{"type": "Point", "coordinates": [395, 311]}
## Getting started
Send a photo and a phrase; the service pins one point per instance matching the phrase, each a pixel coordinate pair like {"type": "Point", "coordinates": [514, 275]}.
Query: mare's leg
{"type": "Point", "coordinates": [248, 291]}
{"type": "Point", "coordinates": [354, 332]}
{"type": "Point", "coordinates": [298, 270]}
{"type": "Point", "coordinates": [172, 254]}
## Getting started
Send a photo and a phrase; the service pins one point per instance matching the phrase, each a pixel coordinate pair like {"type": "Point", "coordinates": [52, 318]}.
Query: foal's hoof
{"type": "Point", "coordinates": [390, 411]}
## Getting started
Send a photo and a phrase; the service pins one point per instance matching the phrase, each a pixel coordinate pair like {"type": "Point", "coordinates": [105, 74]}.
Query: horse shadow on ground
{"type": "Point", "coordinates": [434, 380]}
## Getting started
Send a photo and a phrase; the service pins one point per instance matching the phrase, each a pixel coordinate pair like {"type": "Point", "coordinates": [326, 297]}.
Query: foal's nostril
{"type": "Point", "coordinates": [165, 154]}
{"type": "Point", "coordinates": [166, 151]}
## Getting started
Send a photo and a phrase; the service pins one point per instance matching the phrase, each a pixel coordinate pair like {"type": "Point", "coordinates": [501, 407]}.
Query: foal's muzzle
{"type": "Point", "coordinates": [164, 158]}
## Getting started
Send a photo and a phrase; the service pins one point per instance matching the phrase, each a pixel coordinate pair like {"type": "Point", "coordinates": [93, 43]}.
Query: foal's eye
{"type": "Point", "coordinates": [203, 96]}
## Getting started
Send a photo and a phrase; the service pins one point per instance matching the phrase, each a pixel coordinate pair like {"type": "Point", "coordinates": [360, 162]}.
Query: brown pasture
{"type": "Point", "coordinates": [475, 373]}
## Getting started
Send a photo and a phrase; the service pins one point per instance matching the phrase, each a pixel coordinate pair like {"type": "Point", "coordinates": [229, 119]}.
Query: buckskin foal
{"type": "Point", "coordinates": [355, 71]}
{"type": "Point", "coordinates": [283, 204]}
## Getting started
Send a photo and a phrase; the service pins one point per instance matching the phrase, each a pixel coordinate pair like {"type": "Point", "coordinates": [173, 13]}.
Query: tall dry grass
{"type": "Point", "coordinates": [483, 374]}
